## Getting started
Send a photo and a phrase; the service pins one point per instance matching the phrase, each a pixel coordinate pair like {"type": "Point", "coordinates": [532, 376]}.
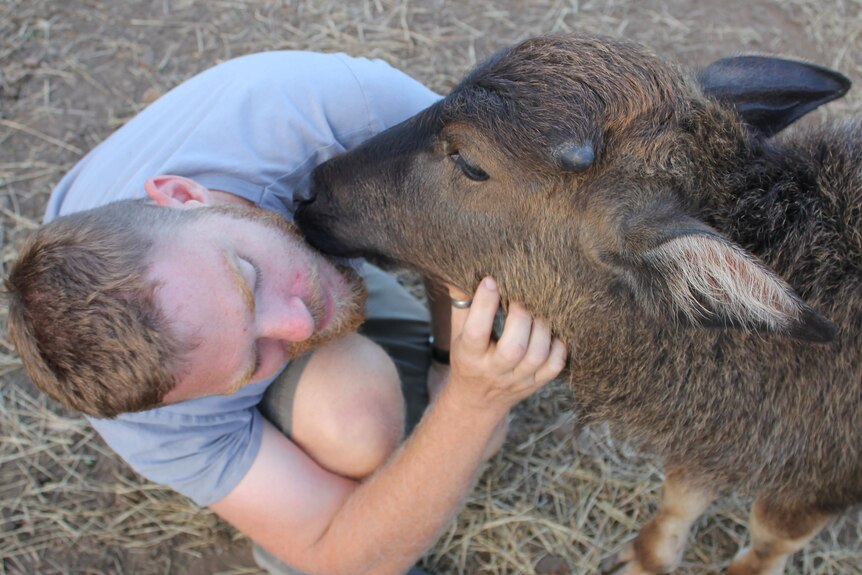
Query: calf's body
{"type": "Point", "coordinates": [705, 273]}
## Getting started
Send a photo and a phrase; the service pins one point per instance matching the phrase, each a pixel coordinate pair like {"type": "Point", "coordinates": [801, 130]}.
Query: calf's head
{"type": "Point", "coordinates": [565, 167]}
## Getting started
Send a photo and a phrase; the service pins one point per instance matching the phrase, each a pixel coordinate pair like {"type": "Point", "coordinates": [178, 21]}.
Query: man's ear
{"type": "Point", "coordinates": [177, 192]}
{"type": "Point", "coordinates": [682, 269]}
{"type": "Point", "coordinates": [771, 93]}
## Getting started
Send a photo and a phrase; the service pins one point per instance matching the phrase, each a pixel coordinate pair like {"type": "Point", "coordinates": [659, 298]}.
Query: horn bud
{"type": "Point", "coordinates": [573, 157]}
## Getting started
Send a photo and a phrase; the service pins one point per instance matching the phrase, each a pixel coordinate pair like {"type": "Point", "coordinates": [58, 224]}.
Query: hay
{"type": "Point", "coordinates": [73, 71]}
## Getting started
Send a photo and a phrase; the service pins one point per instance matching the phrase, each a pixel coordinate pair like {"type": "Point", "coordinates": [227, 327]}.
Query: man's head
{"type": "Point", "coordinates": [137, 304]}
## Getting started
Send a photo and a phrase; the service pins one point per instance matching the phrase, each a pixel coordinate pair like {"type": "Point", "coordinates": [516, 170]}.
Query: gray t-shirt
{"type": "Point", "coordinates": [254, 126]}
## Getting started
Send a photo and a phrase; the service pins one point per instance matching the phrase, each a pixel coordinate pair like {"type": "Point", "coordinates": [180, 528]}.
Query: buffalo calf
{"type": "Point", "coordinates": [704, 268]}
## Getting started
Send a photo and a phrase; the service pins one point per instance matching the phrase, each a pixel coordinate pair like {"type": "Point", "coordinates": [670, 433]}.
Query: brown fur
{"type": "Point", "coordinates": [746, 409]}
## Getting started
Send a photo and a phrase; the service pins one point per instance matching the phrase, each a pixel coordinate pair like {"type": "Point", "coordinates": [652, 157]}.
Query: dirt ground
{"type": "Point", "coordinates": [72, 71]}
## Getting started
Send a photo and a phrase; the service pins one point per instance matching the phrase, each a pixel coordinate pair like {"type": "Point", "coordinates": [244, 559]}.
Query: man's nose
{"type": "Point", "coordinates": [286, 320]}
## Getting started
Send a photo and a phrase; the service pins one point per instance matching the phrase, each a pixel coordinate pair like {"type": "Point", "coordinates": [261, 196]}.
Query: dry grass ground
{"type": "Point", "coordinates": [71, 71]}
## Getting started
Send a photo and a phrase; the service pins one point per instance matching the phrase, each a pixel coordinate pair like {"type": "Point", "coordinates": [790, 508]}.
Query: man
{"type": "Point", "coordinates": [170, 322]}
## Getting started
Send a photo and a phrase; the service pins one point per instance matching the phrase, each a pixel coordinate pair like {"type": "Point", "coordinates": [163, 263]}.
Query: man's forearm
{"type": "Point", "coordinates": [397, 514]}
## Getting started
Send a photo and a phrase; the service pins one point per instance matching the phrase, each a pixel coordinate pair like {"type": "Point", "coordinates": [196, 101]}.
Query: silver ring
{"type": "Point", "coordinates": [461, 303]}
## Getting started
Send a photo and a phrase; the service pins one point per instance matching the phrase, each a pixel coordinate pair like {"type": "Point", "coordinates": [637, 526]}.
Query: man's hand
{"type": "Point", "coordinates": [497, 375]}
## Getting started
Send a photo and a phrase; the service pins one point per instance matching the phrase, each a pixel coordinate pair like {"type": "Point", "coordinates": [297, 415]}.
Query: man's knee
{"type": "Point", "coordinates": [349, 410]}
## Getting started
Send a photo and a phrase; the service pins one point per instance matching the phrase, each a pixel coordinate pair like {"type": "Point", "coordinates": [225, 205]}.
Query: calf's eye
{"type": "Point", "coordinates": [472, 172]}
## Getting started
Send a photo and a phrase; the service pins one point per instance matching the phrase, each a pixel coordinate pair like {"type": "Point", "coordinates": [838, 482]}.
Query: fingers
{"type": "Point", "coordinates": [529, 348]}
{"type": "Point", "coordinates": [457, 294]}
{"type": "Point", "coordinates": [540, 346]}
{"type": "Point", "coordinates": [516, 337]}
{"type": "Point", "coordinates": [475, 324]}
{"type": "Point", "coordinates": [555, 363]}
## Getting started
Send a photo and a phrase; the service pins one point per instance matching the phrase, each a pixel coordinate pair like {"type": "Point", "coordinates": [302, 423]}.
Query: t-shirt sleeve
{"type": "Point", "coordinates": [391, 96]}
{"type": "Point", "coordinates": [198, 450]}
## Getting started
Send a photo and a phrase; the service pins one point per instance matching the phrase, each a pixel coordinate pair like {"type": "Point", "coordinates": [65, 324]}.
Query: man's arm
{"type": "Point", "coordinates": [322, 523]}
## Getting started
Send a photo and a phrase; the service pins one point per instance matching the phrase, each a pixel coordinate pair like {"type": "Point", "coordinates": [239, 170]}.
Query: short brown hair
{"type": "Point", "coordinates": [83, 314]}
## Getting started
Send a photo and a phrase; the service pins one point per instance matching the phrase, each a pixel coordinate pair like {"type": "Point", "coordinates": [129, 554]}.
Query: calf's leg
{"type": "Point", "coordinates": [659, 546]}
{"type": "Point", "coordinates": [777, 530]}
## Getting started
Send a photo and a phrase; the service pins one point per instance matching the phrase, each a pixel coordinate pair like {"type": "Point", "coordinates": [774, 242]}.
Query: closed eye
{"type": "Point", "coordinates": [258, 279]}
{"type": "Point", "coordinates": [474, 173]}
{"type": "Point", "coordinates": [257, 274]}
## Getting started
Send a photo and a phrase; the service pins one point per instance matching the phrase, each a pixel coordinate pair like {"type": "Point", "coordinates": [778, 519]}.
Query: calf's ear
{"type": "Point", "coordinates": [686, 269]}
{"type": "Point", "coordinates": [771, 93]}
